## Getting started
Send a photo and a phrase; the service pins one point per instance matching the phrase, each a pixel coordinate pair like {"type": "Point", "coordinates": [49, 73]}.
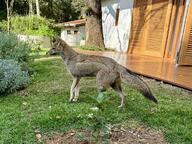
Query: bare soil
{"type": "Point", "coordinates": [140, 135]}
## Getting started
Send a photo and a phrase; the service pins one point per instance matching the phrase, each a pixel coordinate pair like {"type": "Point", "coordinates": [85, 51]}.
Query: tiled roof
{"type": "Point", "coordinates": [75, 22]}
{"type": "Point", "coordinates": [72, 23]}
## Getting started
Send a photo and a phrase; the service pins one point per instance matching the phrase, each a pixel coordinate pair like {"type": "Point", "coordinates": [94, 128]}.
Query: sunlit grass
{"type": "Point", "coordinates": [44, 106]}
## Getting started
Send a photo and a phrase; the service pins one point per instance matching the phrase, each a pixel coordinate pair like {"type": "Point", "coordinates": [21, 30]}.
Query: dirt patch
{"type": "Point", "coordinates": [137, 136]}
{"type": "Point", "coordinates": [118, 136]}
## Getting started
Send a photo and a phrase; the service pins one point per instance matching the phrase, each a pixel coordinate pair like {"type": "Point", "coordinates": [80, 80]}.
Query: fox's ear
{"type": "Point", "coordinates": [54, 39]}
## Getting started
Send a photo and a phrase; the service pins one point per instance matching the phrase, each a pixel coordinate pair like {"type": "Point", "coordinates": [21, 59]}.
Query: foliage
{"type": "Point", "coordinates": [11, 48]}
{"type": "Point", "coordinates": [2, 14]}
{"type": "Point", "coordinates": [80, 7]}
{"type": "Point", "coordinates": [44, 107]}
{"type": "Point", "coordinates": [2, 10]}
{"type": "Point", "coordinates": [59, 10]}
{"type": "Point", "coordinates": [30, 25]}
{"type": "Point", "coordinates": [11, 77]}
{"type": "Point", "coordinates": [21, 7]}
{"type": "Point", "coordinates": [99, 127]}
{"type": "Point", "coordinates": [39, 52]}
{"type": "Point", "coordinates": [3, 25]}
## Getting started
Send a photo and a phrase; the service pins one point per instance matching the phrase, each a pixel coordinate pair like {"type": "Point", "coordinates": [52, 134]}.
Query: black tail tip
{"type": "Point", "coordinates": [154, 99]}
{"type": "Point", "coordinates": [151, 97]}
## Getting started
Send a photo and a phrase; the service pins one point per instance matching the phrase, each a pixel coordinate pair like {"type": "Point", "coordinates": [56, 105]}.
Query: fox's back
{"type": "Point", "coordinates": [89, 65]}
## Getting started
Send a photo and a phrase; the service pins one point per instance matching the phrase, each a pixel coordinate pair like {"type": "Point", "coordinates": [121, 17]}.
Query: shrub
{"type": "Point", "coordinates": [11, 76]}
{"type": "Point", "coordinates": [30, 25]}
{"type": "Point", "coordinates": [3, 25]}
{"type": "Point", "coordinates": [11, 48]}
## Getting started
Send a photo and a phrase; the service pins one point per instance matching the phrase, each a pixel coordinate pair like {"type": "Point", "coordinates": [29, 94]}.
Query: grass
{"type": "Point", "coordinates": [94, 48]}
{"type": "Point", "coordinates": [44, 107]}
{"type": "Point", "coordinates": [39, 52]}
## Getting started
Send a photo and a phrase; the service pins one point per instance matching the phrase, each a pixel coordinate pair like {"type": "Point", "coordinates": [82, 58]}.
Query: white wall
{"type": "Point", "coordinates": [117, 36]}
{"type": "Point", "coordinates": [42, 41]}
{"type": "Point", "coordinates": [73, 39]}
{"type": "Point", "coordinates": [82, 32]}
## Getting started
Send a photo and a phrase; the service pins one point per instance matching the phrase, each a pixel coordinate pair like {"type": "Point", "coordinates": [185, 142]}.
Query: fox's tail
{"type": "Point", "coordinates": [135, 81]}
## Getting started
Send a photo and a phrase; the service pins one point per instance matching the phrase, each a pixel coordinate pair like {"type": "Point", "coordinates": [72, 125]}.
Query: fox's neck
{"type": "Point", "coordinates": [68, 53]}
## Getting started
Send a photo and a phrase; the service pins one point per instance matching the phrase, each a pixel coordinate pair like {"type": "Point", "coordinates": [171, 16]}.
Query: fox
{"type": "Point", "coordinates": [107, 71]}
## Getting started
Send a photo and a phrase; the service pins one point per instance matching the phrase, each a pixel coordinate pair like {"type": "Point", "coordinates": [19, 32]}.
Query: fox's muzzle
{"type": "Point", "coordinates": [52, 51]}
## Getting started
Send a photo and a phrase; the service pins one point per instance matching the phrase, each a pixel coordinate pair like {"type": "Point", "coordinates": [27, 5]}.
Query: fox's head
{"type": "Point", "coordinates": [58, 46]}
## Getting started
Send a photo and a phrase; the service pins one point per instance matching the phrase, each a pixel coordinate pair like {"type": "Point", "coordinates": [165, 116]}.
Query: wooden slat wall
{"type": "Point", "coordinates": [175, 29]}
{"type": "Point", "coordinates": [150, 27]}
{"type": "Point", "coordinates": [138, 26]}
{"type": "Point", "coordinates": [185, 57]}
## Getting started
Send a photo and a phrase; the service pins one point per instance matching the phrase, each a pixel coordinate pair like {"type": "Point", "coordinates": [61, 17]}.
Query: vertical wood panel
{"type": "Point", "coordinates": [178, 29]}
{"type": "Point", "coordinates": [150, 27]}
{"type": "Point", "coordinates": [185, 57]}
{"type": "Point", "coordinates": [137, 35]}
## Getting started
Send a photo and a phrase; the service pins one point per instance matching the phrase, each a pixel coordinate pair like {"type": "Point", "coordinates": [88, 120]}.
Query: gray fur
{"type": "Point", "coordinates": [108, 73]}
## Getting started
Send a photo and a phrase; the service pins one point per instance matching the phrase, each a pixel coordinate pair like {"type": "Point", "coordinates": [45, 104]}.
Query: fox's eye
{"type": "Point", "coordinates": [54, 40]}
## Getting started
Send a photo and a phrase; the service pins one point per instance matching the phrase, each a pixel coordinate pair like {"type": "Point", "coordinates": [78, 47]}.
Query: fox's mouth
{"type": "Point", "coordinates": [52, 51]}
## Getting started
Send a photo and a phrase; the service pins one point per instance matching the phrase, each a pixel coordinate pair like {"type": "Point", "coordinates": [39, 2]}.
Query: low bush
{"type": "Point", "coordinates": [30, 25]}
{"type": "Point", "coordinates": [11, 76]}
{"type": "Point", "coordinates": [11, 48]}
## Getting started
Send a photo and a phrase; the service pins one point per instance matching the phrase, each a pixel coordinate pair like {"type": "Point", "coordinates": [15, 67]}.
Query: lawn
{"type": "Point", "coordinates": [43, 107]}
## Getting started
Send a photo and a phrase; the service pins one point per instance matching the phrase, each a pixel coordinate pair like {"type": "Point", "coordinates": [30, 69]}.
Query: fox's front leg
{"type": "Point", "coordinates": [76, 91]}
{"type": "Point", "coordinates": [72, 90]}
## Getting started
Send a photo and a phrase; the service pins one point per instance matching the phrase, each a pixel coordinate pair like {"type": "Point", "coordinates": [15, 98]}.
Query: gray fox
{"type": "Point", "coordinates": [107, 71]}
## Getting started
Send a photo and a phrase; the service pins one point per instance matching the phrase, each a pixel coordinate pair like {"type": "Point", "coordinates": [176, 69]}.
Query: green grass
{"type": "Point", "coordinates": [39, 53]}
{"type": "Point", "coordinates": [44, 107]}
{"type": "Point", "coordinates": [94, 48]}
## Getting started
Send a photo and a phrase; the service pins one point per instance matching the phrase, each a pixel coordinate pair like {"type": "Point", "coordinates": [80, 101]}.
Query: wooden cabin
{"type": "Point", "coordinates": [155, 28]}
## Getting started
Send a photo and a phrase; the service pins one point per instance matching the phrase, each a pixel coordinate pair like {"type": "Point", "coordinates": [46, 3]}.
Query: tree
{"type": "Point", "coordinates": [37, 7]}
{"type": "Point", "coordinates": [59, 10]}
{"type": "Point", "coordinates": [9, 6]}
{"type": "Point", "coordinates": [30, 7]}
{"type": "Point", "coordinates": [21, 7]}
{"type": "Point", "coordinates": [3, 12]}
{"type": "Point", "coordinates": [80, 7]}
{"type": "Point", "coordinates": [94, 32]}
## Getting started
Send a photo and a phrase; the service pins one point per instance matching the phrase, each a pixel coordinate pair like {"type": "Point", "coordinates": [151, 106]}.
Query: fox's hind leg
{"type": "Point", "coordinates": [111, 78]}
{"type": "Point", "coordinates": [103, 80]}
{"type": "Point", "coordinates": [73, 86]}
{"type": "Point", "coordinates": [117, 87]}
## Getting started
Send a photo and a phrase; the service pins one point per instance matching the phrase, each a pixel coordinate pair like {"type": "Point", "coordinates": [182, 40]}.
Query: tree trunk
{"type": "Point", "coordinates": [30, 7]}
{"type": "Point", "coordinates": [9, 6]}
{"type": "Point", "coordinates": [8, 18]}
{"type": "Point", "coordinates": [94, 32]}
{"type": "Point", "coordinates": [37, 7]}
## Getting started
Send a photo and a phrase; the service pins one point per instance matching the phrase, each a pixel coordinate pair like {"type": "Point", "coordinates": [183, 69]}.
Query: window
{"type": "Point", "coordinates": [117, 16]}
{"type": "Point", "coordinates": [68, 31]}
{"type": "Point", "coordinates": [75, 31]}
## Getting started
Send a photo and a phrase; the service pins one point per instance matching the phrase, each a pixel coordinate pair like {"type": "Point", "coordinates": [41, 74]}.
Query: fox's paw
{"type": "Point", "coordinates": [70, 100]}
{"type": "Point", "coordinates": [74, 100]}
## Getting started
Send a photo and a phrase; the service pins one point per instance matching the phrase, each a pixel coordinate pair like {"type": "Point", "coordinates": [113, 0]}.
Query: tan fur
{"type": "Point", "coordinates": [108, 73]}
